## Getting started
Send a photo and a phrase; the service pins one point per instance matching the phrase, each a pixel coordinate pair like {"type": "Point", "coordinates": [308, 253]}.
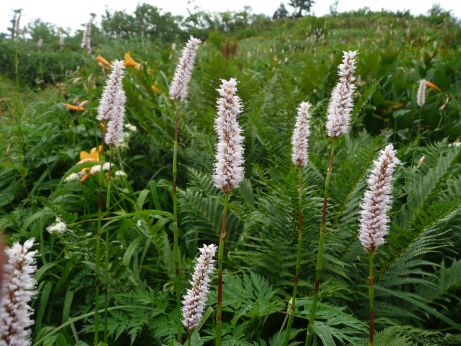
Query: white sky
{"type": "Point", "coordinates": [73, 13]}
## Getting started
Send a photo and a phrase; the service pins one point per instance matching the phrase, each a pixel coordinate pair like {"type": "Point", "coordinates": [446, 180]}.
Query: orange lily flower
{"type": "Point", "coordinates": [103, 62]}
{"type": "Point", "coordinates": [155, 89]}
{"type": "Point", "coordinates": [92, 156]}
{"type": "Point", "coordinates": [433, 86]}
{"type": "Point", "coordinates": [73, 108]}
{"type": "Point", "coordinates": [130, 62]}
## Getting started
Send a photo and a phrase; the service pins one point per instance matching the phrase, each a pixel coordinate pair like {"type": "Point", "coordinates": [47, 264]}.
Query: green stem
{"type": "Point", "coordinates": [98, 241]}
{"type": "Point", "coordinates": [319, 265]}
{"type": "Point", "coordinates": [97, 265]}
{"type": "Point", "coordinates": [189, 338]}
{"type": "Point", "coordinates": [16, 68]}
{"type": "Point", "coordinates": [176, 229]}
{"type": "Point", "coordinates": [371, 296]}
{"type": "Point", "coordinates": [106, 256]}
{"type": "Point", "coordinates": [298, 257]}
{"type": "Point", "coordinates": [417, 134]}
{"type": "Point", "coordinates": [222, 236]}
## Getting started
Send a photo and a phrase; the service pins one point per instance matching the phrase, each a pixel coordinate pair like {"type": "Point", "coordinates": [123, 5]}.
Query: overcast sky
{"type": "Point", "coordinates": [72, 13]}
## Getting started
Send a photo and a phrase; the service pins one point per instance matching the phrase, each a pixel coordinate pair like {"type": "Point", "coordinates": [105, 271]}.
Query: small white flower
{"type": "Point", "coordinates": [106, 166]}
{"type": "Point", "coordinates": [95, 169]}
{"type": "Point", "coordinates": [72, 177]}
{"type": "Point", "coordinates": [131, 128]}
{"type": "Point", "coordinates": [120, 174]}
{"type": "Point", "coordinates": [57, 227]}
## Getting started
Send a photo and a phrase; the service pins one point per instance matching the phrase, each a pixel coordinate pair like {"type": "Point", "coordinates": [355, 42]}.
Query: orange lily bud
{"type": "Point", "coordinates": [83, 103]}
{"type": "Point", "coordinates": [433, 86]}
{"type": "Point", "coordinates": [102, 62]}
{"type": "Point", "coordinates": [85, 177]}
{"type": "Point", "coordinates": [73, 108]}
{"type": "Point", "coordinates": [130, 62]}
{"type": "Point", "coordinates": [155, 89]}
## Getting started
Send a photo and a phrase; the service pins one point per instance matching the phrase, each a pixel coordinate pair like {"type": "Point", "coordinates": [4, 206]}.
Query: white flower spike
{"type": "Point", "coordinates": [179, 85]}
{"type": "Point", "coordinates": [341, 102]}
{"type": "Point", "coordinates": [228, 169]}
{"type": "Point", "coordinates": [112, 105]}
{"type": "Point", "coordinates": [86, 39]}
{"type": "Point", "coordinates": [300, 138]}
{"type": "Point", "coordinates": [374, 222]}
{"type": "Point", "coordinates": [421, 94]}
{"type": "Point", "coordinates": [17, 292]}
{"type": "Point", "coordinates": [112, 88]}
{"type": "Point", "coordinates": [195, 299]}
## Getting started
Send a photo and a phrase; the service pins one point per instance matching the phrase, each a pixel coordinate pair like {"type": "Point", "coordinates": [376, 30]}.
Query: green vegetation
{"type": "Point", "coordinates": [278, 64]}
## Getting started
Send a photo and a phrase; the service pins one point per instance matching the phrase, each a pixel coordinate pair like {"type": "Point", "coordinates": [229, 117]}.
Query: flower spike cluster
{"type": "Point", "coordinates": [299, 140]}
{"type": "Point", "coordinates": [195, 299]}
{"type": "Point", "coordinates": [421, 94]}
{"type": "Point", "coordinates": [179, 85]}
{"type": "Point", "coordinates": [374, 222]}
{"type": "Point", "coordinates": [112, 105]}
{"type": "Point", "coordinates": [17, 292]}
{"type": "Point", "coordinates": [228, 169]}
{"type": "Point", "coordinates": [86, 39]}
{"type": "Point", "coordinates": [341, 102]}
{"type": "Point", "coordinates": [115, 126]}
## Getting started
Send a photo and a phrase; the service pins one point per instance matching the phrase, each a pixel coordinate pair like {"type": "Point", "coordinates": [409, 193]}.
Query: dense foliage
{"type": "Point", "coordinates": [278, 65]}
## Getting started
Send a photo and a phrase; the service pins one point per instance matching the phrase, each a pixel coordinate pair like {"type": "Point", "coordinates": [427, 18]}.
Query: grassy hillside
{"type": "Point", "coordinates": [277, 65]}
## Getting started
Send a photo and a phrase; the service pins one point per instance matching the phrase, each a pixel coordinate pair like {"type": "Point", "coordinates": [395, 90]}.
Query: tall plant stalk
{"type": "Point", "coordinates": [176, 227]}
{"type": "Point", "coordinates": [319, 265]}
{"type": "Point", "coordinates": [178, 92]}
{"type": "Point", "coordinates": [98, 238]}
{"type": "Point", "coordinates": [418, 134]}
{"type": "Point", "coordinates": [19, 123]}
{"type": "Point", "coordinates": [97, 260]}
{"type": "Point", "coordinates": [374, 221]}
{"type": "Point", "coordinates": [222, 237]}
{"type": "Point", "coordinates": [371, 296]}
{"type": "Point", "coordinates": [106, 255]}
{"type": "Point", "coordinates": [111, 112]}
{"type": "Point", "coordinates": [298, 256]}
